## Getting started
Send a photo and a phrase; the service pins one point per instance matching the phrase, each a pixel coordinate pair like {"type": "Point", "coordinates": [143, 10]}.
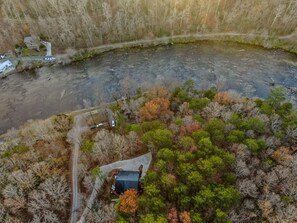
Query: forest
{"type": "Point", "coordinates": [87, 23]}
{"type": "Point", "coordinates": [217, 157]}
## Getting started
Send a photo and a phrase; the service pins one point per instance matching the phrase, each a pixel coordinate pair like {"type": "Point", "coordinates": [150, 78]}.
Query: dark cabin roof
{"type": "Point", "coordinates": [126, 180]}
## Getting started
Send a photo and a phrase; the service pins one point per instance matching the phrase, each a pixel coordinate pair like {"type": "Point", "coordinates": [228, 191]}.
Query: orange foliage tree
{"type": "Point", "coordinates": [185, 217]}
{"type": "Point", "coordinates": [158, 92]}
{"type": "Point", "coordinates": [172, 216]}
{"type": "Point", "coordinates": [282, 155]}
{"type": "Point", "coordinates": [227, 98]}
{"type": "Point", "coordinates": [154, 109]}
{"type": "Point", "coordinates": [128, 202]}
{"type": "Point", "coordinates": [223, 98]}
{"type": "Point", "coordinates": [188, 129]}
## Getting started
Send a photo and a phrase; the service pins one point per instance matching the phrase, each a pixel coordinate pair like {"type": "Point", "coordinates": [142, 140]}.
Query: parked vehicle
{"type": "Point", "coordinates": [113, 123]}
{"type": "Point", "coordinates": [5, 65]}
{"type": "Point", "coordinates": [49, 58]}
{"type": "Point", "coordinates": [97, 126]}
{"type": "Point", "coordinates": [2, 56]}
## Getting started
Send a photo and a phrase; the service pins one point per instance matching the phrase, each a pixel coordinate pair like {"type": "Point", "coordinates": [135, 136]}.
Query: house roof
{"type": "Point", "coordinates": [126, 180]}
{"type": "Point", "coordinates": [31, 42]}
{"type": "Point", "coordinates": [127, 176]}
{"type": "Point", "coordinates": [29, 39]}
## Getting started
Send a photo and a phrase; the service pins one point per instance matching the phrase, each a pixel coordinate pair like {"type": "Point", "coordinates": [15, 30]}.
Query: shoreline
{"type": "Point", "coordinates": [264, 41]}
{"type": "Point", "coordinates": [268, 42]}
{"type": "Point", "coordinates": [156, 44]}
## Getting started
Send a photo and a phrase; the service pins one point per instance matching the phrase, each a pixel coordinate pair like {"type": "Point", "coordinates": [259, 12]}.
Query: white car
{"type": "Point", "coordinates": [49, 58]}
{"type": "Point", "coordinates": [2, 56]}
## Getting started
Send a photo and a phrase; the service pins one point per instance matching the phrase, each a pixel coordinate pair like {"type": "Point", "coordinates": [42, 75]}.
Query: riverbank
{"type": "Point", "coordinates": [268, 42]}
{"type": "Point", "coordinates": [287, 43]}
{"type": "Point", "coordinates": [62, 88]}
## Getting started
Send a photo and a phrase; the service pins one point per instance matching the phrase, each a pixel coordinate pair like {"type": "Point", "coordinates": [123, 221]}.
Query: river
{"type": "Point", "coordinates": [58, 89]}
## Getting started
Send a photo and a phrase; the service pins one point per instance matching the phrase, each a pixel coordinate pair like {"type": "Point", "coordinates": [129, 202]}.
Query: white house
{"type": "Point", "coordinates": [6, 64]}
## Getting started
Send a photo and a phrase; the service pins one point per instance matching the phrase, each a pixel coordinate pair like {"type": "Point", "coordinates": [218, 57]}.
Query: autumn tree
{"type": "Point", "coordinates": [223, 98]}
{"type": "Point", "coordinates": [185, 217]}
{"type": "Point", "coordinates": [128, 202]}
{"type": "Point", "coordinates": [188, 129]}
{"type": "Point", "coordinates": [154, 109]}
{"type": "Point", "coordinates": [158, 92]}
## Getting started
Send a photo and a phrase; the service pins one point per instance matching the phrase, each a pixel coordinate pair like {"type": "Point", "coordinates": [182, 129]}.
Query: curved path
{"type": "Point", "coordinates": [190, 37]}
{"type": "Point", "coordinates": [131, 164]}
{"type": "Point", "coordinates": [74, 137]}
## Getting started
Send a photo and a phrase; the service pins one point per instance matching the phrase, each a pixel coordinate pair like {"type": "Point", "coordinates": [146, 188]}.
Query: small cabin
{"type": "Point", "coordinates": [32, 42]}
{"type": "Point", "coordinates": [126, 180]}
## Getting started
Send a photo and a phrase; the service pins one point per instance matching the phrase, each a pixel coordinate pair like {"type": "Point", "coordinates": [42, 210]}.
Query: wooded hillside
{"type": "Point", "coordinates": [216, 157]}
{"type": "Point", "coordinates": [85, 23]}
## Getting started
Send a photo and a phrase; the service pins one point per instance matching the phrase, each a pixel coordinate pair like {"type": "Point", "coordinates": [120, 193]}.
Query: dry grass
{"type": "Point", "coordinates": [89, 23]}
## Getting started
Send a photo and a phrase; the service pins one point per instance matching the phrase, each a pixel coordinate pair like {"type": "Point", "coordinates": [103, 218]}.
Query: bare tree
{"type": "Point", "coordinates": [272, 180]}
{"type": "Point", "coordinates": [2, 213]}
{"type": "Point", "coordinates": [57, 189]}
{"type": "Point", "coordinates": [120, 146]}
{"type": "Point", "coordinates": [134, 140]}
{"type": "Point", "coordinates": [241, 169]}
{"type": "Point", "coordinates": [294, 165]}
{"type": "Point", "coordinates": [50, 198]}
{"type": "Point", "coordinates": [24, 180]}
{"type": "Point", "coordinates": [285, 215]}
{"type": "Point", "coordinates": [259, 178]}
{"type": "Point", "coordinates": [102, 146]}
{"type": "Point", "coordinates": [45, 217]}
{"type": "Point", "coordinates": [275, 123]}
{"type": "Point", "coordinates": [88, 183]}
{"type": "Point", "coordinates": [11, 219]}
{"type": "Point", "coordinates": [10, 191]}
{"type": "Point", "coordinates": [236, 108]}
{"type": "Point", "coordinates": [174, 128]}
{"type": "Point", "coordinates": [241, 151]}
{"type": "Point", "coordinates": [38, 202]}
{"type": "Point", "coordinates": [247, 188]}
{"type": "Point", "coordinates": [266, 208]}
{"type": "Point", "coordinates": [272, 142]}
{"type": "Point", "coordinates": [213, 110]}
{"type": "Point", "coordinates": [249, 204]}
{"type": "Point", "coordinates": [104, 213]}
{"type": "Point", "coordinates": [39, 130]}
{"type": "Point", "coordinates": [291, 133]}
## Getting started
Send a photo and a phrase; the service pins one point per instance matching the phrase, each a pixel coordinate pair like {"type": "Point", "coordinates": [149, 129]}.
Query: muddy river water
{"type": "Point", "coordinates": [252, 71]}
